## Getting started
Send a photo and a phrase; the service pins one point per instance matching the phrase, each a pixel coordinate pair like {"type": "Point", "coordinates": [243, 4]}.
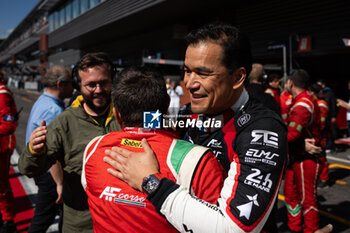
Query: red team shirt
{"type": "Point", "coordinates": [8, 124]}
{"type": "Point", "coordinates": [8, 119]}
{"type": "Point", "coordinates": [323, 106]}
{"type": "Point", "coordinates": [304, 119]}
{"type": "Point", "coordinates": [275, 93]}
{"type": "Point", "coordinates": [116, 207]}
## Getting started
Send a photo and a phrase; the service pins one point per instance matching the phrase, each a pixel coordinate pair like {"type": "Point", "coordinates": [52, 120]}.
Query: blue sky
{"type": "Point", "coordinates": [12, 12]}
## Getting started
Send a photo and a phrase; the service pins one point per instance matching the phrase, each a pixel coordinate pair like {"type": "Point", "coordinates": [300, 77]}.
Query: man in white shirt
{"type": "Point", "coordinates": [175, 92]}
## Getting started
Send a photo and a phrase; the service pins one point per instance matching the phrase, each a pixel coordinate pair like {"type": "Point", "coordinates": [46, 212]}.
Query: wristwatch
{"type": "Point", "coordinates": [150, 184]}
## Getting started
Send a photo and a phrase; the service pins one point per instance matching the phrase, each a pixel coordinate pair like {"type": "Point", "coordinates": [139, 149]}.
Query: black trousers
{"type": "Point", "coordinates": [46, 208]}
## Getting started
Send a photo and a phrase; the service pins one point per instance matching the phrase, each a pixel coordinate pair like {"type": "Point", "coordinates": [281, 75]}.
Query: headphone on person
{"type": "Point", "coordinates": [75, 72]}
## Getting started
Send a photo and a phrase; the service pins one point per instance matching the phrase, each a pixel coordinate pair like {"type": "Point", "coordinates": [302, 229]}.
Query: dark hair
{"type": "Point", "coordinates": [235, 45]}
{"type": "Point", "coordinates": [91, 60]}
{"type": "Point", "coordinates": [317, 89]}
{"type": "Point", "coordinates": [139, 89]}
{"type": "Point", "coordinates": [2, 77]}
{"type": "Point", "coordinates": [274, 76]}
{"type": "Point", "coordinates": [300, 78]}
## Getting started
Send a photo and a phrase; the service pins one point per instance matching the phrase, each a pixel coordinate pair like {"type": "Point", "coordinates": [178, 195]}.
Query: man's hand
{"type": "Point", "coordinates": [37, 139]}
{"type": "Point", "coordinates": [57, 175]}
{"type": "Point", "coordinates": [59, 189]}
{"type": "Point", "coordinates": [132, 167]}
{"type": "Point", "coordinates": [343, 104]}
{"type": "Point", "coordinates": [327, 229]}
{"type": "Point", "coordinates": [333, 120]}
{"type": "Point", "coordinates": [310, 146]}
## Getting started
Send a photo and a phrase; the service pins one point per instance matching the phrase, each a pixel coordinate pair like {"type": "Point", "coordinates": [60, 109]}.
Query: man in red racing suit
{"type": "Point", "coordinates": [273, 88]}
{"type": "Point", "coordinates": [8, 124]}
{"type": "Point", "coordinates": [316, 91]}
{"type": "Point", "coordinates": [114, 205]}
{"type": "Point", "coordinates": [113, 201]}
{"type": "Point", "coordinates": [323, 105]}
{"type": "Point", "coordinates": [303, 170]}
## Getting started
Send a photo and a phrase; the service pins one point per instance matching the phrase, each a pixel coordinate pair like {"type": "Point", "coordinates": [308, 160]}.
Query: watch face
{"type": "Point", "coordinates": [150, 184]}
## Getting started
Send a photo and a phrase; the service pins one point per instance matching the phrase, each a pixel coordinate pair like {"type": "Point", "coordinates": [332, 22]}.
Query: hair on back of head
{"type": "Point", "coordinates": [274, 76]}
{"type": "Point", "coordinates": [257, 73]}
{"type": "Point", "coordinates": [55, 74]}
{"type": "Point", "coordinates": [136, 90]}
{"type": "Point", "coordinates": [300, 78]}
{"type": "Point", "coordinates": [317, 89]}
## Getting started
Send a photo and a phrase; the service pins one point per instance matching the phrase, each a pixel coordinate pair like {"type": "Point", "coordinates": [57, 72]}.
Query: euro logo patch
{"type": "Point", "coordinates": [242, 120]}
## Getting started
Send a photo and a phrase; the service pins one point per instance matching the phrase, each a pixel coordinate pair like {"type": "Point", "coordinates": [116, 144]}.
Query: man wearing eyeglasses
{"type": "Point", "coordinates": [67, 135]}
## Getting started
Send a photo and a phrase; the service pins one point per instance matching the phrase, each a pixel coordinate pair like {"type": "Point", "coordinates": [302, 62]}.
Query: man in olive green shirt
{"type": "Point", "coordinates": [67, 135]}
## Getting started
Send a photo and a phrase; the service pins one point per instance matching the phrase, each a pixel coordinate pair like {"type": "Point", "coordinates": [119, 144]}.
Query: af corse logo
{"type": "Point", "coordinates": [115, 195]}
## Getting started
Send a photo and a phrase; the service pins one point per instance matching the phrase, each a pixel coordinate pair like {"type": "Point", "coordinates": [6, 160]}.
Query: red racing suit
{"type": "Point", "coordinates": [324, 108]}
{"type": "Point", "coordinates": [251, 144]}
{"type": "Point", "coordinates": [285, 103]}
{"type": "Point", "coordinates": [303, 170]}
{"type": "Point", "coordinates": [8, 124]}
{"type": "Point", "coordinates": [275, 93]}
{"type": "Point", "coordinates": [116, 207]}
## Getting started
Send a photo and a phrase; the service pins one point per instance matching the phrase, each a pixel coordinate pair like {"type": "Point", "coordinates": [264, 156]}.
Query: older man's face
{"type": "Point", "coordinates": [210, 83]}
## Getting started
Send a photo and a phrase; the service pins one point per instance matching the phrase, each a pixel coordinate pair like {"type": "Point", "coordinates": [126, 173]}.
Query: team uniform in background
{"type": "Point", "coordinates": [285, 103]}
{"type": "Point", "coordinates": [323, 106]}
{"type": "Point", "coordinates": [275, 93]}
{"type": "Point", "coordinates": [303, 170]}
{"type": "Point", "coordinates": [331, 99]}
{"type": "Point", "coordinates": [8, 124]}
{"type": "Point", "coordinates": [257, 92]}
{"type": "Point", "coordinates": [117, 207]}
{"type": "Point", "coordinates": [251, 145]}
{"type": "Point", "coordinates": [348, 119]}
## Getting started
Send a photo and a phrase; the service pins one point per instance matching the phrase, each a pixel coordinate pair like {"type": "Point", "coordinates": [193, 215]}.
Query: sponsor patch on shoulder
{"type": "Point", "coordinates": [9, 118]}
{"type": "Point", "coordinates": [132, 143]}
{"type": "Point", "coordinates": [244, 119]}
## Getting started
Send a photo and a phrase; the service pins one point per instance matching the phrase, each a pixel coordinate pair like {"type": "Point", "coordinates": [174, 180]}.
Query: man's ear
{"type": "Point", "coordinates": [59, 84]}
{"type": "Point", "coordinates": [117, 115]}
{"type": "Point", "coordinates": [239, 76]}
